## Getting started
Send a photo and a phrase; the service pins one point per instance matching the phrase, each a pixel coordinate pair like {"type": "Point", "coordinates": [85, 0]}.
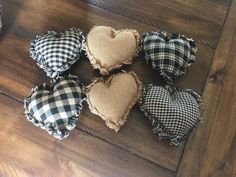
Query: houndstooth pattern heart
{"type": "Point", "coordinates": [170, 56]}
{"type": "Point", "coordinates": [56, 52]}
{"type": "Point", "coordinates": [56, 108]}
{"type": "Point", "coordinates": [172, 111]}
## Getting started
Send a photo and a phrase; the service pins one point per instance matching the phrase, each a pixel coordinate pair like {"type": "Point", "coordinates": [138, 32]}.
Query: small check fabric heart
{"type": "Point", "coordinates": [56, 108]}
{"type": "Point", "coordinates": [170, 56]}
{"type": "Point", "coordinates": [172, 111]}
{"type": "Point", "coordinates": [56, 52]}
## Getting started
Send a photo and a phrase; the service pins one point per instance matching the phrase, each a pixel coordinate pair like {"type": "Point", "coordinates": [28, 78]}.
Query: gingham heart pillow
{"type": "Point", "coordinates": [173, 111]}
{"type": "Point", "coordinates": [109, 49]}
{"type": "Point", "coordinates": [56, 108]}
{"type": "Point", "coordinates": [169, 56]}
{"type": "Point", "coordinates": [56, 52]}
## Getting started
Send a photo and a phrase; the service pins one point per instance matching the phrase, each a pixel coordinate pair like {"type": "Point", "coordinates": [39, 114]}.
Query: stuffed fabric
{"type": "Point", "coordinates": [108, 49]}
{"type": "Point", "coordinates": [172, 111]}
{"type": "Point", "coordinates": [112, 99]}
{"type": "Point", "coordinates": [56, 108]}
{"type": "Point", "coordinates": [170, 56]}
{"type": "Point", "coordinates": [56, 52]}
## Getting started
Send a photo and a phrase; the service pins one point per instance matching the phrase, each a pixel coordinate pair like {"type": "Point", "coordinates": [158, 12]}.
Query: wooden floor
{"type": "Point", "coordinates": [92, 149]}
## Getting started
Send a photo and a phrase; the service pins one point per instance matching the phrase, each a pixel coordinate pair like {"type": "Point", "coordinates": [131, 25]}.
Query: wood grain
{"type": "Point", "coordinates": [212, 147]}
{"type": "Point", "coordinates": [135, 142]}
{"type": "Point", "coordinates": [28, 151]}
{"type": "Point", "coordinates": [18, 73]}
{"type": "Point", "coordinates": [130, 136]}
{"type": "Point", "coordinates": [201, 20]}
{"type": "Point", "coordinates": [51, 18]}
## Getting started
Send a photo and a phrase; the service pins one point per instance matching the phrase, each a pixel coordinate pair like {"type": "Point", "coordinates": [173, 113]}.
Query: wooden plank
{"type": "Point", "coordinates": [201, 20]}
{"type": "Point", "coordinates": [28, 151]}
{"type": "Point", "coordinates": [17, 81]}
{"type": "Point", "coordinates": [47, 19]}
{"type": "Point", "coordinates": [212, 148]}
{"type": "Point", "coordinates": [15, 50]}
{"type": "Point", "coordinates": [131, 135]}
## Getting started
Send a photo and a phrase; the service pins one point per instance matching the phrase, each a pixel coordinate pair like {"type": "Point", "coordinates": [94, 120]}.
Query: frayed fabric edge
{"type": "Point", "coordinates": [115, 125]}
{"type": "Point", "coordinates": [77, 53]}
{"type": "Point", "coordinates": [193, 50]}
{"type": "Point", "coordinates": [105, 70]}
{"type": "Point", "coordinates": [51, 128]}
{"type": "Point", "coordinates": [159, 128]}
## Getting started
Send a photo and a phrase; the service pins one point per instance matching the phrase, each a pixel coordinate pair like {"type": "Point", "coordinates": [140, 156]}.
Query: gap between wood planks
{"type": "Point", "coordinates": [212, 147]}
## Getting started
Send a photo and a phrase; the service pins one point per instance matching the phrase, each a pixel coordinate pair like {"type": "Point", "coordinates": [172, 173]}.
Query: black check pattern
{"type": "Point", "coordinates": [56, 52]}
{"type": "Point", "coordinates": [56, 108]}
{"type": "Point", "coordinates": [171, 57]}
{"type": "Point", "coordinates": [172, 111]}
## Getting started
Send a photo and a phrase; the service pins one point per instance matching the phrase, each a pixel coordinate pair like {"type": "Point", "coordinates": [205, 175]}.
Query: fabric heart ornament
{"type": "Point", "coordinates": [170, 56]}
{"type": "Point", "coordinates": [112, 99]}
{"type": "Point", "coordinates": [108, 49]}
{"type": "Point", "coordinates": [172, 111]}
{"type": "Point", "coordinates": [56, 108]}
{"type": "Point", "coordinates": [56, 52]}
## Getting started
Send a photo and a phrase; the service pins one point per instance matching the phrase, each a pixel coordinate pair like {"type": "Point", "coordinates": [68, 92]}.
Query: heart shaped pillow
{"type": "Point", "coordinates": [56, 52]}
{"type": "Point", "coordinates": [56, 108]}
{"type": "Point", "coordinates": [112, 99]}
{"type": "Point", "coordinates": [170, 56]}
{"type": "Point", "coordinates": [172, 111]}
{"type": "Point", "coordinates": [108, 49]}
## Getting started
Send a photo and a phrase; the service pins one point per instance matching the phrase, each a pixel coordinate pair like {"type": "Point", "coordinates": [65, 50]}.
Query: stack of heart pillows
{"type": "Point", "coordinates": [172, 111]}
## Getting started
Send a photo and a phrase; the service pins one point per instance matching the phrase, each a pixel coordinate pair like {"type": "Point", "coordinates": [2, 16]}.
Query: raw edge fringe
{"type": "Point", "coordinates": [196, 96]}
{"type": "Point", "coordinates": [159, 128]}
{"type": "Point", "coordinates": [193, 50]}
{"type": "Point", "coordinates": [40, 61]}
{"type": "Point", "coordinates": [106, 70]}
{"type": "Point", "coordinates": [110, 124]}
{"type": "Point", "coordinates": [51, 128]}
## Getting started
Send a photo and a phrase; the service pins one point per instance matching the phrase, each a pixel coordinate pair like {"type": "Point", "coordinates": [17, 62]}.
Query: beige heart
{"type": "Point", "coordinates": [112, 99]}
{"type": "Point", "coordinates": [108, 49]}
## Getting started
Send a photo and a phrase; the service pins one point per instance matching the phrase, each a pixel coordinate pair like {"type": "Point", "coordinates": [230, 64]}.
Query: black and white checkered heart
{"type": "Point", "coordinates": [172, 111]}
{"type": "Point", "coordinates": [171, 57]}
{"type": "Point", "coordinates": [56, 108]}
{"type": "Point", "coordinates": [56, 52]}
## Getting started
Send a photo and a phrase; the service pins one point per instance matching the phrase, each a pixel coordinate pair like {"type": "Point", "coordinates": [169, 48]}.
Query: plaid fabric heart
{"type": "Point", "coordinates": [171, 57]}
{"type": "Point", "coordinates": [172, 111]}
{"type": "Point", "coordinates": [56, 108]}
{"type": "Point", "coordinates": [56, 52]}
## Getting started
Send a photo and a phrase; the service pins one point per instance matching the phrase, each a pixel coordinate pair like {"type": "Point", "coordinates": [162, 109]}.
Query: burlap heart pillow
{"type": "Point", "coordinates": [169, 56]}
{"type": "Point", "coordinates": [56, 108]}
{"type": "Point", "coordinates": [112, 99]}
{"type": "Point", "coordinates": [56, 52]}
{"type": "Point", "coordinates": [108, 49]}
{"type": "Point", "coordinates": [173, 111]}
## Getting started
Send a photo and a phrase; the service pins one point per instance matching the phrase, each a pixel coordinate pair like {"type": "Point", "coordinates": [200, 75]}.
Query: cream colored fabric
{"type": "Point", "coordinates": [108, 49]}
{"type": "Point", "coordinates": [113, 99]}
